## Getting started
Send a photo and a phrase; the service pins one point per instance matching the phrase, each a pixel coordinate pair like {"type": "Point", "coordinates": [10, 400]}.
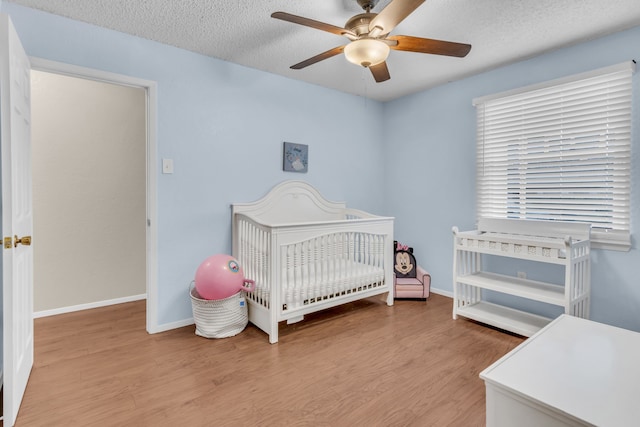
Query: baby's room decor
{"type": "Point", "coordinates": [218, 297]}
{"type": "Point", "coordinates": [410, 280]}
{"type": "Point", "coordinates": [220, 276]}
{"type": "Point", "coordinates": [307, 253]}
{"type": "Point", "coordinates": [295, 157]}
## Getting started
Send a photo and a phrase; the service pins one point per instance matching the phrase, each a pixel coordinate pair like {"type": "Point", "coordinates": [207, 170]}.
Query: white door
{"type": "Point", "coordinates": [17, 219]}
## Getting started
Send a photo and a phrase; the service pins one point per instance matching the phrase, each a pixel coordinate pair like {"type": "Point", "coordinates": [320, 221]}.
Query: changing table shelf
{"type": "Point", "coordinates": [550, 242]}
{"type": "Point", "coordinates": [538, 291]}
{"type": "Point", "coordinates": [516, 321]}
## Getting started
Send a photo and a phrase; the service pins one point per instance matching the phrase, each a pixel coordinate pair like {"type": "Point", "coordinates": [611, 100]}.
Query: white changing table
{"type": "Point", "coordinates": [573, 372]}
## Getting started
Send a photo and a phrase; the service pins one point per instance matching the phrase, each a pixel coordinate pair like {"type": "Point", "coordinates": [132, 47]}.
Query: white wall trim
{"type": "Point", "coordinates": [175, 325]}
{"type": "Point", "coordinates": [151, 89]}
{"type": "Point", "coordinates": [88, 306]}
{"type": "Point", "coordinates": [152, 209]}
{"type": "Point", "coordinates": [47, 65]}
{"type": "Point", "coordinates": [442, 292]}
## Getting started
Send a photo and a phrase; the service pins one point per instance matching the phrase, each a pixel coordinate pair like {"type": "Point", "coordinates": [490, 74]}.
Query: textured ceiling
{"type": "Point", "coordinates": [242, 31]}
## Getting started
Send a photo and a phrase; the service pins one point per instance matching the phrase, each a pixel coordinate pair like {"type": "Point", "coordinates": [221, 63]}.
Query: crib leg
{"type": "Point", "coordinates": [273, 331]}
{"type": "Point", "coordinates": [390, 298]}
{"type": "Point", "coordinates": [273, 336]}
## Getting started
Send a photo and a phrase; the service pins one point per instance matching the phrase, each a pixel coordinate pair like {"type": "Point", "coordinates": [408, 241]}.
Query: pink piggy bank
{"type": "Point", "coordinates": [220, 276]}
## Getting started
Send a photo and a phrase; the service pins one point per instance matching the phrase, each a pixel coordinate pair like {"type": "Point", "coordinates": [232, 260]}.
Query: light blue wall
{"type": "Point", "coordinates": [223, 125]}
{"type": "Point", "coordinates": [431, 147]}
{"type": "Point", "coordinates": [415, 158]}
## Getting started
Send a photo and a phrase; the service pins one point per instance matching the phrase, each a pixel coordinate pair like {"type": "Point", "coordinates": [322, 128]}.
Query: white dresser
{"type": "Point", "coordinates": [573, 372]}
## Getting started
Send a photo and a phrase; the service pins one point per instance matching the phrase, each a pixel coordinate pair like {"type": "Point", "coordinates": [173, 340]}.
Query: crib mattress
{"type": "Point", "coordinates": [318, 283]}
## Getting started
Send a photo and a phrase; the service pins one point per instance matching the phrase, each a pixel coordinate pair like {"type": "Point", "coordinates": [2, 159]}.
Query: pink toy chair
{"type": "Point", "coordinates": [413, 288]}
{"type": "Point", "coordinates": [409, 279]}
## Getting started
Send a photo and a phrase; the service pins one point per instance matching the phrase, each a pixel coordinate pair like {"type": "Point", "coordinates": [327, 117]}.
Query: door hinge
{"type": "Point", "coordinates": [8, 242]}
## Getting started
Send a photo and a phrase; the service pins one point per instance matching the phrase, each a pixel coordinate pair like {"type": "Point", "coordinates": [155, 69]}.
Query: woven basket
{"type": "Point", "coordinates": [219, 318]}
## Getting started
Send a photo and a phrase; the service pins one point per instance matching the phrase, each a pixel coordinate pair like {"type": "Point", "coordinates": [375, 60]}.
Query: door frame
{"type": "Point", "coordinates": [151, 90]}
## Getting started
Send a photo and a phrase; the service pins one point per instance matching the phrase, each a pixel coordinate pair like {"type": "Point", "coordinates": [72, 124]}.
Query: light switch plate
{"type": "Point", "coordinates": [167, 165]}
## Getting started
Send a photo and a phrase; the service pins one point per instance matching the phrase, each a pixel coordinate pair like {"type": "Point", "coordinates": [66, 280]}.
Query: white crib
{"type": "Point", "coordinates": [307, 254]}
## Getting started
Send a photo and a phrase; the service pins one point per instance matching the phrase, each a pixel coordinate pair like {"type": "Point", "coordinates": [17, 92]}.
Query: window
{"type": "Point", "coordinates": [560, 151]}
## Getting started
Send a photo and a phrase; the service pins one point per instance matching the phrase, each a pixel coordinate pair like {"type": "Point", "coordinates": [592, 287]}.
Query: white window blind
{"type": "Point", "coordinates": [560, 151]}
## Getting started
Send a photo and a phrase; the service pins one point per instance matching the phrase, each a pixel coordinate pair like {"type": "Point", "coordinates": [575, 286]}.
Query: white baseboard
{"type": "Point", "coordinates": [174, 325]}
{"type": "Point", "coordinates": [70, 309]}
{"type": "Point", "coordinates": [442, 292]}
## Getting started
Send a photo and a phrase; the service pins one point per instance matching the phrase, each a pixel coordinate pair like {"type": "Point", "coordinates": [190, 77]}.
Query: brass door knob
{"type": "Point", "coordinates": [26, 240]}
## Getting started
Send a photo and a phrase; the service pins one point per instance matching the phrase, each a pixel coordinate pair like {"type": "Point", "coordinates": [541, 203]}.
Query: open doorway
{"type": "Point", "coordinates": [94, 189]}
{"type": "Point", "coordinates": [89, 198]}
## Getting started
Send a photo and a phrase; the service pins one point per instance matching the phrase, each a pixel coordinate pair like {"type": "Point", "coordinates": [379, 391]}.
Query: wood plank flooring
{"type": "Point", "coordinates": [362, 364]}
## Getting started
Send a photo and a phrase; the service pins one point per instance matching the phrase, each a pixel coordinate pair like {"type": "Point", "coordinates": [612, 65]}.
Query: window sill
{"type": "Point", "coordinates": [606, 241]}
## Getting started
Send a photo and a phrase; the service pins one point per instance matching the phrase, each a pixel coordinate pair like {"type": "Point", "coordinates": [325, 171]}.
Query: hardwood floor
{"type": "Point", "coordinates": [360, 364]}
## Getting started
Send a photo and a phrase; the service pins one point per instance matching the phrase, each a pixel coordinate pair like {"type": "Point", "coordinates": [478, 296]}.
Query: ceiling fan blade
{"type": "Point", "coordinates": [380, 72]}
{"type": "Point", "coordinates": [313, 24]}
{"type": "Point", "coordinates": [436, 47]}
{"type": "Point", "coordinates": [324, 55]}
{"type": "Point", "coordinates": [391, 16]}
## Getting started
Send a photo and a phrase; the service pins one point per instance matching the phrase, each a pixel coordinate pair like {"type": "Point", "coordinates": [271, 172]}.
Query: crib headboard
{"type": "Point", "coordinates": [291, 202]}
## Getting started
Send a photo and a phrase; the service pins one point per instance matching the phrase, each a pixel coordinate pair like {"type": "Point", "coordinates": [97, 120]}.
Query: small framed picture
{"type": "Point", "coordinates": [295, 157]}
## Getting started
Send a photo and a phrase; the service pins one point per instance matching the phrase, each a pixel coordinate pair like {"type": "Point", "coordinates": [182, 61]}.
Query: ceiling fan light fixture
{"type": "Point", "coordinates": [366, 52]}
